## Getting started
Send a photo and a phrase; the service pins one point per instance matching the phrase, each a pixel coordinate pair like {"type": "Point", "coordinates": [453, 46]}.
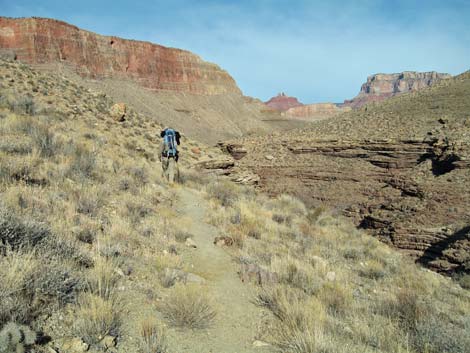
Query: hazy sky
{"type": "Point", "coordinates": [318, 51]}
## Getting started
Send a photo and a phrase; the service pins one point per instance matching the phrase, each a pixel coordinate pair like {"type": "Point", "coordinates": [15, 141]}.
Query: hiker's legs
{"type": "Point", "coordinates": [171, 170]}
{"type": "Point", "coordinates": [177, 173]}
{"type": "Point", "coordinates": [165, 168]}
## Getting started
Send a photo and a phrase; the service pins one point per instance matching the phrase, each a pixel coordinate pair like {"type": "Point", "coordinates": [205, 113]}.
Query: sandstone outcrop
{"type": "Point", "coordinates": [118, 112]}
{"type": "Point", "coordinates": [399, 169]}
{"type": "Point", "coordinates": [282, 102]}
{"type": "Point", "coordinates": [382, 86]}
{"type": "Point", "coordinates": [46, 41]}
{"type": "Point", "coordinates": [316, 111]}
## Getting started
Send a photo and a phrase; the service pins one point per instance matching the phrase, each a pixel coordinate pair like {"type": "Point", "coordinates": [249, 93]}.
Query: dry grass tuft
{"type": "Point", "coordinates": [102, 279]}
{"type": "Point", "coordinates": [189, 306]}
{"type": "Point", "coordinates": [94, 318]}
{"type": "Point", "coordinates": [152, 337]}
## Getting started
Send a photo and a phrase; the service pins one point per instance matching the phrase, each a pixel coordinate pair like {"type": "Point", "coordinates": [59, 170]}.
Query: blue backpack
{"type": "Point", "coordinates": [170, 143]}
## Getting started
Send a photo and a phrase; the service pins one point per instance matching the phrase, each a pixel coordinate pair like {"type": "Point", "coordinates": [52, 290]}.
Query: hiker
{"type": "Point", "coordinates": [169, 153]}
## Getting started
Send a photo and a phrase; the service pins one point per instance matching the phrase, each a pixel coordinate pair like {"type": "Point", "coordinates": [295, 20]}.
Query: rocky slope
{"type": "Point", "coordinates": [173, 86]}
{"type": "Point", "coordinates": [382, 86]}
{"type": "Point", "coordinates": [282, 102]}
{"type": "Point", "coordinates": [400, 169]}
{"type": "Point", "coordinates": [316, 111]}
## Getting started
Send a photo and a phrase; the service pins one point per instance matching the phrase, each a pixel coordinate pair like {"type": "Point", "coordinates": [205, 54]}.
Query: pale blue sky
{"type": "Point", "coordinates": [318, 51]}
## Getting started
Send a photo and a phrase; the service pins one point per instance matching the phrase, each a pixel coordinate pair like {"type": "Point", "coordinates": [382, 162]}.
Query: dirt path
{"type": "Point", "coordinates": [237, 318]}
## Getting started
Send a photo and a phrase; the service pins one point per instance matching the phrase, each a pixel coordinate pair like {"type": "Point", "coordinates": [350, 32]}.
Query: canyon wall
{"type": "Point", "coordinates": [382, 86]}
{"type": "Point", "coordinates": [47, 41]}
{"type": "Point", "coordinates": [316, 111]}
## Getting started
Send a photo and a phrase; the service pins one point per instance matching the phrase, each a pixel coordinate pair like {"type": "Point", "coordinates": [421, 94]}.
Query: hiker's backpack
{"type": "Point", "coordinates": [170, 143]}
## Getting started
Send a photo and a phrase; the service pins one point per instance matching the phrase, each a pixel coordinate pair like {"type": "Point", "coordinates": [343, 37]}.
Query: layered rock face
{"type": "Point", "coordinates": [400, 169]}
{"type": "Point", "coordinates": [282, 102]}
{"type": "Point", "coordinates": [316, 111]}
{"type": "Point", "coordinates": [47, 41]}
{"type": "Point", "coordinates": [382, 86]}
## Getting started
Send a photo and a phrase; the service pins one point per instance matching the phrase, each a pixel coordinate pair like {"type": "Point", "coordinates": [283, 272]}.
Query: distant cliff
{"type": "Point", "coordinates": [47, 41]}
{"type": "Point", "coordinates": [382, 86]}
{"type": "Point", "coordinates": [316, 111]}
{"type": "Point", "coordinates": [282, 102]}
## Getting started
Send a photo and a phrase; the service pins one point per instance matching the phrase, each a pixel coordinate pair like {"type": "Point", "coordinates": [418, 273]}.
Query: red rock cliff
{"type": "Point", "coordinates": [382, 86]}
{"type": "Point", "coordinates": [282, 102]}
{"type": "Point", "coordinates": [47, 41]}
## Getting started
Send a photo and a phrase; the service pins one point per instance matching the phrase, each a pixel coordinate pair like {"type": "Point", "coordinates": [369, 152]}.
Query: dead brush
{"type": "Point", "coordinates": [94, 318]}
{"type": "Point", "coordinates": [300, 319]}
{"type": "Point", "coordinates": [102, 279]}
{"type": "Point", "coordinates": [189, 306]}
{"type": "Point", "coordinates": [152, 337]}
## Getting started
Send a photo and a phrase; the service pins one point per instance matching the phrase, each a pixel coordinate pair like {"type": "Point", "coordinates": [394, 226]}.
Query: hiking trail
{"type": "Point", "coordinates": [236, 324]}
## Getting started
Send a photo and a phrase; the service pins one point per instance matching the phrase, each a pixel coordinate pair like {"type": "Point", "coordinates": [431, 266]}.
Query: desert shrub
{"type": "Point", "coordinates": [55, 285]}
{"type": "Point", "coordinates": [181, 236]}
{"type": "Point", "coordinates": [17, 170]}
{"type": "Point", "coordinates": [89, 201]}
{"type": "Point", "coordinates": [102, 279]}
{"type": "Point", "coordinates": [405, 307]}
{"type": "Point", "coordinates": [282, 219]}
{"type": "Point", "coordinates": [152, 337]}
{"type": "Point", "coordinates": [464, 281]}
{"type": "Point", "coordinates": [287, 205]}
{"type": "Point", "coordinates": [24, 105]}
{"type": "Point", "coordinates": [83, 162]}
{"type": "Point", "coordinates": [18, 147]}
{"type": "Point", "coordinates": [31, 286]}
{"type": "Point", "coordinates": [45, 140]}
{"type": "Point", "coordinates": [314, 215]}
{"type": "Point", "coordinates": [140, 175]}
{"type": "Point", "coordinates": [125, 184]}
{"type": "Point", "coordinates": [373, 270]}
{"type": "Point", "coordinates": [86, 235]}
{"type": "Point", "coordinates": [224, 192]}
{"type": "Point", "coordinates": [300, 319]}
{"type": "Point", "coordinates": [65, 250]}
{"type": "Point", "coordinates": [137, 210]}
{"type": "Point", "coordinates": [437, 335]}
{"type": "Point", "coordinates": [16, 275]}
{"type": "Point", "coordinates": [188, 306]}
{"type": "Point", "coordinates": [296, 274]}
{"type": "Point", "coordinates": [95, 318]}
{"type": "Point", "coordinates": [336, 297]}
{"type": "Point", "coordinates": [16, 233]}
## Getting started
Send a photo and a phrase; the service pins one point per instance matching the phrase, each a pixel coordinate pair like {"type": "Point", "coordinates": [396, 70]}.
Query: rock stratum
{"type": "Point", "coordinates": [316, 111]}
{"type": "Point", "coordinates": [399, 168]}
{"type": "Point", "coordinates": [382, 86]}
{"type": "Point", "coordinates": [45, 41]}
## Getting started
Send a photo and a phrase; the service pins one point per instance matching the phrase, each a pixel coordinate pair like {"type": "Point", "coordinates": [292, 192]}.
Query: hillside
{"type": "Point", "coordinates": [173, 85]}
{"type": "Point", "coordinates": [99, 254]}
{"type": "Point", "coordinates": [399, 168]}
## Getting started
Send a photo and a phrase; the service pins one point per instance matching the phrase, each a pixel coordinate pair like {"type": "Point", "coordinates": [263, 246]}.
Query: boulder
{"type": "Point", "coordinates": [223, 241]}
{"type": "Point", "coordinates": [118, 112]}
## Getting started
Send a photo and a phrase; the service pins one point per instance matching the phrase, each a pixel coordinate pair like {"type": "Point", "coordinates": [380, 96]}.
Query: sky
{"type": "Point", "coordinates": [318, 51]}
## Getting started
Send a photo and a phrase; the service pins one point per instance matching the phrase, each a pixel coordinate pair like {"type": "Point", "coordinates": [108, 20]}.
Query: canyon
{"type": "Point", "coordinates": [399, 168]}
